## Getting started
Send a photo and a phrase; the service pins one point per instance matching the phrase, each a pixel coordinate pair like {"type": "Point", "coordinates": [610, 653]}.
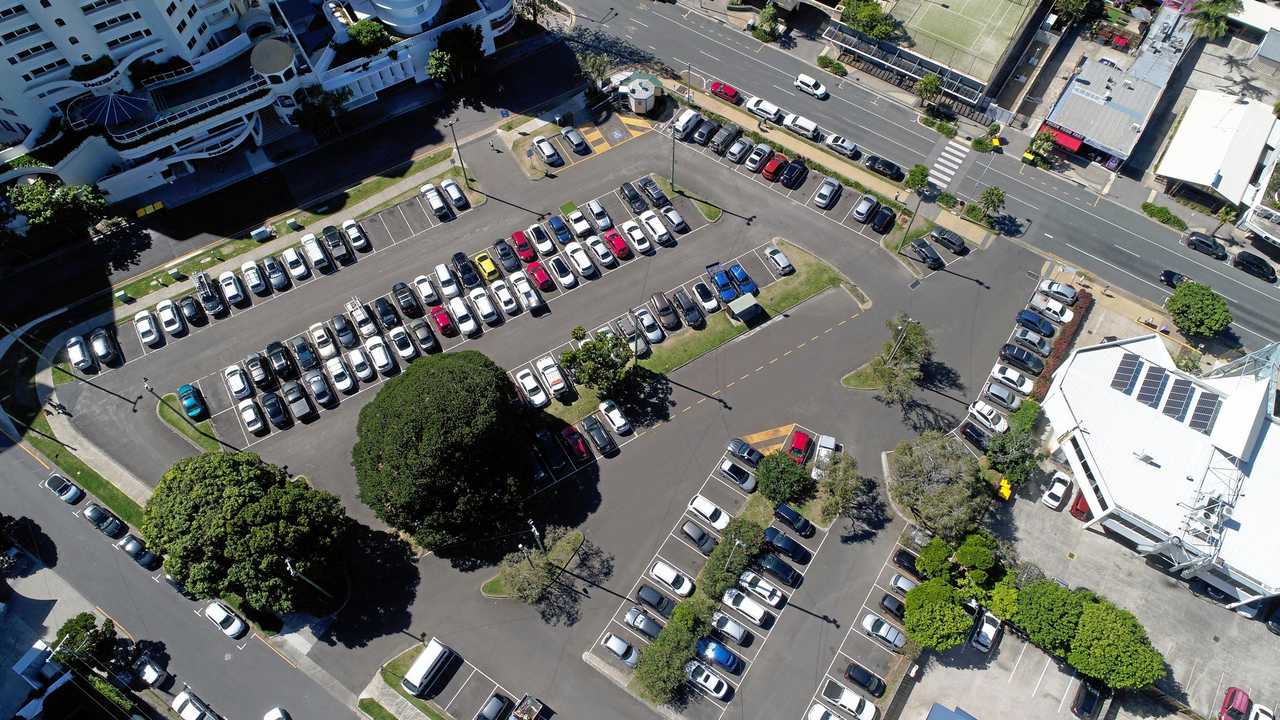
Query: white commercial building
{"type": "Point", "coordinates": [1182, 467]}
{"type": "Point", "coordinates": [131, 94]}
{"type": "Point", "coordinates": [1224, 145]}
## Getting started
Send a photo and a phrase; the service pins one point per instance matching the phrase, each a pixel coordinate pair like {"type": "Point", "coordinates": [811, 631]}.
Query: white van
{"type": "Point", "coordinates": [802, 126]}
{"type": "Point", "coordinates": [685, 123]}
{"type": "Point", "coordinates": [763, 109]}
{"type": "Point", "coordinates": [427, 668]}
{"type": "Point", "coordinates": [314, 252]}
{"type": "Point", "coordinates": [435, 200]}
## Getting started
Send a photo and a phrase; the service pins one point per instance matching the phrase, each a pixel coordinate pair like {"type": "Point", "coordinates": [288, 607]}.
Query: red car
{"type": "Point", "coordinates": [725, 92]}
{"type": "Point", "coordinates": [1235, 705]}
{"type": "Point", "coordinates": [575, 442]}
{"type": "Point", "coordinates": [799, 447]}
{"type": "Point", "coordinates": [1080, 508]}
{"type": "Point", "coordinates": [524, 248]}
{"type": "Point", "coordinates": [617, 244]}
{"type": "Point", "coordinates": [540, 276]}
{"type": "Point", "coordinates": [444, 323]}
{"type": "Point", "coordinates": [773, 168]}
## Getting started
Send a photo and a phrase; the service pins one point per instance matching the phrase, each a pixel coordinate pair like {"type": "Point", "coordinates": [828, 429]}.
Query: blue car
{"type": "Point", "coordinates": [1034, 322]}
{"type": "Point", "coordinates": [713, 651]}
{"type": "Point", "coordinates": [724, 287]}
{"type": "Point", "coordinates": [192, 403]}
{"type": "Point", "coordinates": [745, 283]}
{"type": "Point", "coordinates": [560, 229]}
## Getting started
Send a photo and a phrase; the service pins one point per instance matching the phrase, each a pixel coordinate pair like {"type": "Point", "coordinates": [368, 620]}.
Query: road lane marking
{"type": "Point", "coordinates": [1124, 249]}
{"type": "Point", "coordinates": [631, 19]}
{"type": "Point", "coordinates": [779, 87]}
{"type": "Point", "coordinates": [713, 57]}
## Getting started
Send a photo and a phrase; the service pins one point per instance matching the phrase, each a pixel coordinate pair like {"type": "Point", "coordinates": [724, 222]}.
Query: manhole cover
{"type": "Point", "coordinates": [528, 152]}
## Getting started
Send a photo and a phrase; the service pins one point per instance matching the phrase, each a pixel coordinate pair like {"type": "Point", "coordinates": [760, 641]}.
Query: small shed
{"type": "Point", "coordinates": [746, 309]}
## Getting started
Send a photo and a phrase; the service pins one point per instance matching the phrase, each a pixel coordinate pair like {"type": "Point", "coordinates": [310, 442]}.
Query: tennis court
{"type": "Point", "coordinates": [968, 36]}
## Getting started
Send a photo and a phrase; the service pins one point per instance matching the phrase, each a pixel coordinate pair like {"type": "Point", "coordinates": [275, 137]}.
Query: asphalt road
{"type": "Point", "coordinates": [1114, 242]}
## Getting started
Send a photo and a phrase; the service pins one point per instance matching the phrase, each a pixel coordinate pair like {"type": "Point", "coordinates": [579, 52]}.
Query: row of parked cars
{"type": "Point", "coordinates": [1249, 262]}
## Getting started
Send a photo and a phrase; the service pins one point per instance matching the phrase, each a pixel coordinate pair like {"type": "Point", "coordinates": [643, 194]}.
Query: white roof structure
{"type": "Point", "coordinates": [1218, 143]}
{"type": "Point", "coordinates": [1257, 15]}
{"type": "Point", "coordinates": [1162, 446]}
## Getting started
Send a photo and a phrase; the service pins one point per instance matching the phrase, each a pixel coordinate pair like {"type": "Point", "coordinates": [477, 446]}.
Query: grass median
{"type": "Point", "coordinates": [374, 710]}
{"type": "Point", "coordinates": [393, 672]}
{"type": "Point", "coordinates": [558, 556]}
{"type": "Point", "coordinates": [711, 212]}
{"type": "Point", "coordinates": [41, 437]}
{"type": "Point", "coordinates": [146, 284]}
{"type": "Point", "coordinates": [200, 433]}
{"type": "Point", "coordinates": [861, 379]}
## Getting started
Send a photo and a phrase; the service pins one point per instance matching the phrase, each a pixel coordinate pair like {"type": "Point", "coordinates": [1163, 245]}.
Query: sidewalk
{"type": "Point", "coordinates": [393, 701]}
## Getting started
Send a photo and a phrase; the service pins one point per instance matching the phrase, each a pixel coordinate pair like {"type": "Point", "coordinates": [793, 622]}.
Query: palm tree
{"type": "Point", "coordinates": [928, 88]}
{"type": "Point", "coordinates": [1226, 214]}
{"type": "Point", "coordinates": [1210, 17]}
{"type": "Point", "coordinates": [991, 200]}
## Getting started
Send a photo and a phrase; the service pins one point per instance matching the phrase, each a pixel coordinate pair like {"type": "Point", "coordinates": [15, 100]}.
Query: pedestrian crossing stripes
{"type": "Point", "coordinates": [948, 163]}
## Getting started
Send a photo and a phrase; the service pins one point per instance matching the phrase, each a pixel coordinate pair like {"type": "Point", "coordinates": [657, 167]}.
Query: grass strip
{"type": "Point", "coordinates": [513, 122]}
{"type": "Point", "coordinates": [200, 433]}
{"type": "Point", "coordinates": [585, 404]}
{"type": "Point", "coordinates": [861, 379]}
{"type": "Point", "coordinates": [683, 348]}
{"type": "Point", "coordinates": [149, 283]}
{"type": "Point", "coordinates": [711, 212]}
{"type": "Point", "coordinates": [812, 276]}
{"type": "Point", "coordinates": [41, 437]}
{"type": "Point", "coordinates": [568, 207]}
{"type": "Point", "coordinates": [394, 671]}
{"type": "Point", "coordinates": [758, 510]}
{"type": "Point", "coordinates": [374, 710]}
{"type": "Point", "coordinates": [264, 622]}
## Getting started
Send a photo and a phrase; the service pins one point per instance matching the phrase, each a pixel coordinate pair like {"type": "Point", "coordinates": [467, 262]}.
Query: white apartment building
{"type": "Point", "coordinates": [133, 94]}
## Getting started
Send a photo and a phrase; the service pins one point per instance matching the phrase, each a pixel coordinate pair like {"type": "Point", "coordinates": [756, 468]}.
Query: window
{"type": "Point", "coordinates": [46, 69]}
{"type": "Point", "coordinates": [86, 57]}
{"type": "Point", "coordinates": [32, 52]}
{"type": "Point", "coordinates": [59, 22]}
{"type": "Point", "coordinates": [191, 11]}
{"type": "Point", "coordinates": [117, 20]}
{"type": "Point", "coordinates": [98, 5]}
{"type": "Point", "coordinates": [182, 27]}
{"type": "Point", "coordinates": [20, 32]}
{"type": "Point", "coordinates": [125, 39]}
{"type": "Point", "coordinates": [173, 6]}
{"type": "Point", "coordinates": [191, 43]}
{"type": "Point", "coordinates": [203, 27]}
{"type": "Point", "coordinates": [74, 40]}
{"type": "Point", "coordinates": [44, 3]}
{"type": "Point", "coordinates": [14, 11]}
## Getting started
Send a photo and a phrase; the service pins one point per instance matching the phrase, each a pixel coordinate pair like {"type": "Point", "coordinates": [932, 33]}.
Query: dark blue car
{"type": "Point", "coordinates": [745, 283]}
{"type": "Point", "coordinates": [785, 545]}
{"type": "Point", "coordinates": [724, 286]}
{"type": "Point", "coordinates": [560, 229]}
{"type": "Point", "coordinates": [192, 403]}
{"type": "Point", "coordinates": [1034, 322]}
{"type": "Point", "coordinates": [709, 649]}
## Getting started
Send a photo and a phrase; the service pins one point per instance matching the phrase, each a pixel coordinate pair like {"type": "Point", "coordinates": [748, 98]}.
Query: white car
{"type": "Point", "coordinates": [706, 680]}
{"type": "Point", "coordinates": [228, 622]}
{"type": "Point", "coordinates": [541, 240]}
{"type": "Point", "coordinates": [1061, 292]}
{"type": "Point", "coordinates": [739, 601]}
{"type": "Point", "coordinates": [822, 456]}
{"type": "Point", "coordinates": [378, 352]}
{"type": "Point", "coordinates": [338, 373]}
{"type": "Point", "coordinates": [763, 109]}
{"type": "Point", "coordinates": [880, 629]}
{"type": "Point", "coordinates": [461, 315]}
{"type": "Point", "coordinates": [426, 290]}
{"type": "Point", "coordinates": [844, 698]}
{"type": "Point", "coordinates": [1262, 712]}
{"type": "Point", "coordinates": [649, 325]}
{"type": "Point", "coordinates": [190, 707]}
{"type": "Point", "coordinates": [251, 416]}
{"type": "Point", "coordinates": [810, 85]}
{"type": "Point", "coordinates": [359, 363]}
{"type": "Point", "coordinates": [599, 215]}
{"type": "Point", "coordinates": [551, 375]}
{"type": "Point", "coordinates": [548, 151]}
{"type": "Point", "coordinates": [504, 296]}
{"type": "Point", "coordinates": [148, 331]}
{"type": "Point", "coordinates": [579, 258]}
{"type": "Point", "coordinates": [78, 353]}
{"type": "Point", "coordinates": [581, 226]}
{"type": "Point", "coordinates": [611, 412]}
{"type": "Point", "coordinates": [672, 578]}
{"type": "Point", "coordinates": [631, 229]}
{"type": "Point", "coordinates": [170, 319]}
{"type": "Point", "coordinates": [294, 263]}
{"type": "Point", "coordinates": [988, 416]}
{"type": "Point", "coordinates": [448, 283]}
{"type": "Point", "coordinates": [1014, 379]}
{"type": "Point", "coordinates": [601, 251]}
{"type": "Point", "coordinates": [709, 511]}
{"type": "Point", "coordinates": [400, 340]}
{"type": "Point", "coordinates": [237, 382]}
{"type": "Point", "coordinates": [563, 275]}
{"type": "Point", "coordinates": [276, 714]}
{"type": "Point", "coordinates": [483, 305]}
{"type": "Point", "coordinates": [355, 234]}
{"type": "Point", "coordinates": [322, 340]}
{"type": "Point", "coordinates": [231, 289]}
{"type": "Point", "coordinates": [655, 227]}
{"type": "Point", "coordinates": [842, 145]}
{"type": "Point", "coordinates": [760, 154]}
{"type": "Point", "coordinates": [761, 588]}
{"type": "Point", "coordinates": [624, 650]}
{"type": "Point", "coordinates": [532, 388]}
{"type": "Point", "coordinates": [253, 277]}
{"type": "Point", "coordinates": [453, 191]}
{"type": "Point", "coordinates": [1058, 492]}
{"type": "Point", "coordinates": [779, 261]}
{"type": "Point", "coordinates": [729, 627]}
{"type": "Point", "coordinates": [1051, 309]}
{"type": "Point", "coordinates": [525, 290]}
{"type": "Point", "coordinates": [984, 635]}
{"type": "Point", "coordinates": [819, 712]}
{"type": "Point", "coordinates": [674, 218]}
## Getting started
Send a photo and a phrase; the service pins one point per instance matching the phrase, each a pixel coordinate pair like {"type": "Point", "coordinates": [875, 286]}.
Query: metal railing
{"type": "Point", "coordinates": [228, 97]}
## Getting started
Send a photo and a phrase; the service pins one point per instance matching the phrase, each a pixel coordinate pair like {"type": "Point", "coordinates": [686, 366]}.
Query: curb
{"type": "Point", "coordinates": [173, 429]}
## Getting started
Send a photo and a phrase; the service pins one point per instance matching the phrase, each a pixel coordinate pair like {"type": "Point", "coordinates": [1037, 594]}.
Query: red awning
{"type": "Point", "coordinates": [1065, 140]}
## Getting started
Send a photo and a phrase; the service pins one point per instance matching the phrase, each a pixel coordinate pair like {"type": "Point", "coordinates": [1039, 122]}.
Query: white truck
{"type": "Point", "coordinates": [551, 375]}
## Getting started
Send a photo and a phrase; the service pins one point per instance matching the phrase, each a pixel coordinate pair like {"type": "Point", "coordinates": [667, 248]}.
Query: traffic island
{"type": "Point", "coordinates": [708, 210]}
{"type": "Point", "coordinates": [200, 434]}
{"type": "Point", "coordinates": [861, 379]}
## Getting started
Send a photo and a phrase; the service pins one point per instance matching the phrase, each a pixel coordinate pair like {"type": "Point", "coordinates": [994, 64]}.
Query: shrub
{"type": "Point", "coordinates": [783, 481]}
{"type": "Point", "coordinates": [934, 559]}
{"type": "Point", "coordinates": [1003, 602]}
{"type": "Point", "coordinates": [740, 543]}
{"type": "Point", "coordinates": [1062, 345]}
{"type": "Point", "coordinates": [1197, 310]}
{"type": "Point", "coordinates": [975, 214]}
{"type": "Point", "coordinates": [835, 67]}
{"type": "Point", "coordinates": [1111, 645]}
{"type": "Point", "coordinates": [977, 552]}
{"type": "Point", "coordinates": [981, 144]}
{"type": "Point", "coordinates": [947, 200]}
{"type": "Point", "coordinates": [660, 672]}
{"type": "Point", "coordinates": [1049, 614]}
{"type": "Point", "coordinates": [934, 618]}
{"type": "Point", "coordinates": [943, 127]}
{"type": "Point", "coordinates": [1024, 418]}
{"type": "Point", "coordinates": [1188, 360]}
{"type": "Point", "coordinates": [1164, 215]}
{"type": "Point", "coordinates": [110, 692]}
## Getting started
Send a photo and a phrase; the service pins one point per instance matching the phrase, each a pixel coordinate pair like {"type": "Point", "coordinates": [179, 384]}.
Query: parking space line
{"type": "Point", "coordinates": [1017, 662]}
{"type": "Point", "coordinates": [461, 687]}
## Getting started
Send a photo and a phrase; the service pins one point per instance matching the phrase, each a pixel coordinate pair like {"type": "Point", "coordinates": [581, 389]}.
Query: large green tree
{"type": "Point", "coordinates": [935, 618]}
{"type": "Point", "coordinates": [433, 453]}
{"type": "Point", "coordinates": [233, 523]}
{"type": "Point", "coordinates": [1112, 645]}
{"type": "Point", "coordinates": [1211, 18]}
{"type": "Point", "coordinates": [601, 363]}
{"type": "Point", "coordinates": [369, 35]}
{"type": "Point", "coordinates": [320, 112]}
{"type": "Point", "coordinates": [928, 88]}
{"type": "Point", "coordinates": [780, 479]}
{"type": "Point", "coordinates": [1050, 615]}
{"type": "Point", "coordinates": [934, 559]}
{"type": "Point", "coordinates": [50, 205]}
{"type": "Point", "coordinates": [991, 200]}
{"type": "Point", "coordinates": [1003, 602]}
{"type": "Point", "coordinates": [849, 495]}
{"type": "Point", "coordinates": [740, 543]}
{"type": "Point", "coordinates": [84, 642]}
{"type": "Point", "coordinates": [938, 481]}
{"type": "Point", "coordinates": [900, 364]}
{"type": "Point", "coordinates": [465, 48]}
{"type": "Point", "coordinates": [867, 17]}
{"type": "Point", "coordinates": [918, 178]}
{"type": "Point", "coordinates": [1197, 310]}
{"type": "Point", "coordinates": [1015, 453]}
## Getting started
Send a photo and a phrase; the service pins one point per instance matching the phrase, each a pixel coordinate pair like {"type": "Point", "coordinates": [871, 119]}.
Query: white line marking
{"type": "Point", "coordinates": [779, 87]}
{"type": "Point", "coordinates": [713, 57]}
{"type": "Point", "coordinates": [1124, 249]}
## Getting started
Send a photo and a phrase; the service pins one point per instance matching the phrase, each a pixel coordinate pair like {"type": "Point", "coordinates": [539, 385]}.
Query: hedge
{"type": "Point", "coordinates": [947, 200]}
{"type": "Point", "coordinates": [944, 128]}
{"type": "Point", "coordinates": [835, 67]}
{"type": "Point", "coordinates": [1062, 345]}
{"type": "Point", "coordinates": [1163, 215]}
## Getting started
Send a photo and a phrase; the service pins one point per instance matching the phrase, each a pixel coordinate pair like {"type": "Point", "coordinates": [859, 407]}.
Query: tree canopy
{"type": "Point", "coordinates": [938, 481]}
{"type": "Point", "coordinates": [465, 48]}
{"type": "Point", "coordinates": [991, 200]}
{"type": "Point", "coordinates": [740, 543]}
{"type": "Point", "coordinates": [1197, 310]}
{"type": "Point", "coordinates": [1015, 453]}
{"type": "Point", "coordinates": [233, 523]}
{"type": "Point", "coordinates": [320, 112]}
{"type": "Point", "coordinates": [1112, 645]}
{"type": "Point", "coordinates": [601, 362]}
{"type": "Point", "coordinates": [83, 642]}
{"type": "Point", "coordinates": [1050, 615]}
{"type": "Point", "coordinates": [369, 35]}
{"type": "Point", "coordinates": [433, 453]}
{"type": "Point", "coordinates": [917, 178]}
{"type": "Point", "coordinates": [1211, 17]}
{"type": "Point", "coordinates": [899, 365]}
{"type": "Point", "coordinates": [934, 559]}
{"type": "Point", "coordinates": [780, 479]}
{"type": "Point", "coordinates": [928, 88]}
{"type": "Point", "coordinates": [51, 205]}
{"type": "Point", "coordinates": [849, 495]}
{"type": "Point", "coordinates": [934, 618]}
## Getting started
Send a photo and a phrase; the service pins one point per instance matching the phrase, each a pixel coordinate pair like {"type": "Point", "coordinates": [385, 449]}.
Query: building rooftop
{"type": "Point", "coordinates": [1220, 143]}
{"type": "Point", "coordinates": [969, 37]}
{"type": "Point", "coordinates": [1110, 106]}
{"type": "Point", "coordinates": [1257, 15]}
{"type": "Point", "coordinates": [1161, 441]}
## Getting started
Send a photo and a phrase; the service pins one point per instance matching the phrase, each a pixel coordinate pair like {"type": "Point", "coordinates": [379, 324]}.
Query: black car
{"type": "Point", "coordinates": [884, 219]}
{"type": "Point", "coordinates": [337, 246]}
{"type": "Point", "coordinates": [466, 270]}
{"type": "Point", "coordinates": [906, 560]}
{"type": "Point", "coordinates": [893, 606]}
{"type": "Point", "coordinates": [879, 165]}
{"type": "Point", "coordinates": [406, 299]}
{"type": "Point", "coordinates": [794, 173]}
{"type": "Point", "coordinates": [925, 253]}
{"type": "Point", "coordinates": [599, 436]}
{"type": "Point", "coordinates": [102, 519]}
{"type": "Point", "coordinates": [275, 409]}
{"type": "Point", "coordinates": [422, 331]}
{"type": "Point", "coordinates": [259, 370]}
{"type": "Point", "coordinates": [700, 538]}
{"type": "Point", "coordinates": [1035, 322]}
{"type": "Point", "coordinates": [1088, 700]}
{"type": "Point", "coordinates": [974, 435]}
{"type": "Point", "coordinates": [1255, 265]}
{"type": "Point", "coordinates": [506, 256]}
{"type": "Point", "coordinates": [783, 543]}
{"type": "Point", "coordinates": [794, 520]}
{"type": "Point", "coordinates": [741, 450]}
{"type": "Point", "coordinates": [1173, 279]}
{"type": "Point", "coordinates": [191, 310]}
{"type": "Point", "coordinates": [689, 309]}
{"type": "Point", "coordinates": [948, 240]}
{"type": "Point", "coordinates": [303, 351]}
{"type": "Point", "coordinates": [705, 130]}
{"type": "Point", "coordinates": [1273, 620]}
{"type": "Point", "coordinates": [345, 331]}
{"type": "Point", "coordinates": [778, 568]}
{"type": "Point", "coordinates": [1021, 358]}
{"type": "Point", "coordinates": [1200, 242]}
{"type": "Point", "coordinates": [551, 451]}
{"type": "Point", "coordinates": [865, 679]}
{"type": "Point", "coordinates": [654, 193]}
{"type": "Point", "coordinates": [281, 363]}
{"type": "Point", "coordinates": [654, 599]}
{"type": "Point", "coordinates": [632, 196]}
{"type": "Point", "coordinates": [386, 313]}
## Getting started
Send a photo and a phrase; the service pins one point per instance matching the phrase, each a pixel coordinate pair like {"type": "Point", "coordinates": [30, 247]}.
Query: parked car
{"type": "Point", "coordinates": [758, 157]}
{"type": "Point", "coordinates": [709, 511]}
{"type": "Point", "coordinates": [1202, 243]}
{"type": "Point", "coordinates": [865, 208]}
{"type": "Point", "coordinates": [794, 174]}
{"type": "Point", "coordinates": [1014, 379]}
{"type": "Point", "coordinates": [1059, 490]}
{"type": "Point", "coordinates": [880, 166]}
{"type": "Point", "coordinates": [654, 599]}
{"type": "Point", "coordinates": [705, 680]}
{"type": "Point", "coordinates": [1002, 395]}
{"type": "Point", "coordinates": [547, 152]}
{"type": "Point", "coordinates": [828, 193]}
{"type": "Point", "coordinates": [1022, 358]}
{"type": "Point", "coordinates": [1032, 340]}
{"type": "Point", "coordinates": [657, 198]}
{"type": "Point", "coordinates": [632, 197]}
{"type": "Point", "coordinates": [62, 488]}
{"type": "Point", "coordinates": [753, 610]}
{"type": "Point", "coordinates": [949, 240]}
{"type": "Point", "coordinates": [1062, 292]}
{"type": "Point", "coordinates": [599, 437]}
{"type": "Point", "coordinates": [704, 541]}
{"type": "Point", "coordinates": [779, 569]}
{"type": "Point", "coordinates": [880, 629]}
{"type": "Point", "coordinates": [761, 588]}
{"type": "Point", "coordinates": [1089, 699]}
{"type": "Point", "coordinates": [730, 628]}
{"type": "Point", "coordinates": [739, 150]}
{"type": "Point", "coordinates": [712, 651]}
{"type": "Point", "coordinates": [925, 253]}
{"type": "Point", "coordinates": [225, 620]}
{"type": "Point", "coordinates": [794, 520]}
{"type": "Point", "coordinates": [884, 220]}
{"type": "Point", "coordinates": [1254, 265]}
{"type": "Point", "coordinates": [672, 578]}
{"type": "Point", "coordinates": [842, 145]}
{"type": "Point", "coordinates": [192, 401]}
{"type": "Point", "coordinates": [865, 679]}
{"type": "Point", "coordinates": [737, 474]}
{"type": "Point", "coordinates": [621, 648]}
{"type": "Point", "coordinates": [576, 141]}
{"type": "Point", "coordinates": [988, 417]}
{"type": "Point", "coordinates": [744, 452]}
{"type": "Point", "coordinates": [781, 542]}
{"type": "Point", "coordinates": [984, 635]}
{"type": "Point", "coordinates": [133, 546]}
{"type": "Point", "coordinates": [799, 447]}
{"type": "Point", "coordinates": [170, 318]}
{"type": "Point", "coordinates": [1050, 308]}
{"type": "Point", "coordinates": [901, 584]}
{"type": "Point", "coordinates": [106, 523]}
{"type": "Point", "coordinates": [642, 622]}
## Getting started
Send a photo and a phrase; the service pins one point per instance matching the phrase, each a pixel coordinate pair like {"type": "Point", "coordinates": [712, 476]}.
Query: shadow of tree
{"type": "Point", "coordinates": [647, 400]}
{"type": "Point", "coordinates": [123, 248]}
{"type": "Point", "coordinates": [30, 538]}
{"type": "Point", "coordinates": [935, 375]}
{"type": "Point", "coordinates": [872, 515]}
{"type": "Point", "coordinates": [382, 560]}
{"type": "Point", "coordinates": [561, 604]}
{"type": "Point", "coordinates": [921, 416]}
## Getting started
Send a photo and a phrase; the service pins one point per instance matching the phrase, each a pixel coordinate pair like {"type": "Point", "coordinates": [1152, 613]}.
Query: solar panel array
{"type": "Point", "coordinates": [1179, 398]}
{"type": "Point", "coordinates": [1205, 413]}
{"type": "Point", "coordinates": [1126, 372]}
{"type": "Point", "coordinates": [1152, 385]}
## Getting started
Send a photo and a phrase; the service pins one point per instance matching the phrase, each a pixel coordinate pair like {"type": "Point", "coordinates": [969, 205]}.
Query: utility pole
{"type": "Point", "coordinates": [536, 537]}
{"type": "Point", "coordinates": [466, 179]}
{"type": "Point", "coordinates": [911, 220]}
{"type": "Point", "coordinates": [899, 331]}
{"type": "Point", "coordinates": [525, 551]}
{"type": "Point", "coordinates": [688, 78]}
{"type": "Point", "coordinates": [289, 564]}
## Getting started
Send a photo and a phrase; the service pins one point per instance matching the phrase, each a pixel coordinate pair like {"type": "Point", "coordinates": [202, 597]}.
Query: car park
{"type": "Point", "coordinates": [754, 611]}
{"type": "Point", "coordinates": [1202, 243]}
{"type": "Point", "coordinates": [794, 520]}
{"type": "Point", "coordinates": [1254, 265]}
{"type": "Point", "coordinates": [1002, 395]}
{"type": "Point", "coordinates": [828, 193]}
{"type": "Point", "coordinates": [761, 588]}
{"type": "Point", "coordinates": [729, 628]}
{"type": "Point", "coordinates": [704, 541]}
{"type": "Point", "coordinates": [705, 680]}
{"type": "Point", "coordinates": [1014, 379]}
{"type": "Point", "coordinates": [225, 620]}
{"type": "Point", "coordinates": [1031, 340]}
{"type": "Point", "coordinates": [1062, 292]}
{"type": "Point", "coordinates": [949, 239]}
{"type": "Point", "coordinates": [1059, 490]}
{"type": "Point", "coordinates": [621, 648]}
{"type": "Point", "coordinates": [984, 634]}
{"type": "Point", "coordinates": [642, 622]}
{"type": "Point", "coordinates": [709, 511]}
{"type": "Point", "coordinates": [758, 157]}
{"type": "Point", "coordinates": [880, 629]}
{"type": "Point", "coordinates": [547, 152]}
{"type": "Point", "coordinates": [842, 145]}
{"type": "Point", "coordinates": [62, 488]}
{"type": "Point", "coordinates": [988, 417]}
{"type": "Point", "coordinates": [671, 578]}
{"type": "Point", "coordinates": [865, 208]}
{"type": "Point", "coordinates": [736, 474]}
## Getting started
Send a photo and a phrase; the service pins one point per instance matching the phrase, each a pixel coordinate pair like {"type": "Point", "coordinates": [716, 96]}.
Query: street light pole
{"type": "Point", "coordinates": [536, 537]}
{"type": "Point", "coordinates": [688, 78]}
{"type": "Point", "coordinates": [524, 551]}
{"type": "Point", "coordinates": [466, 179]}
{"type": "Point", "coordinates": [898, 343]}
{"type": "Point", "coordinates": [292, 571]}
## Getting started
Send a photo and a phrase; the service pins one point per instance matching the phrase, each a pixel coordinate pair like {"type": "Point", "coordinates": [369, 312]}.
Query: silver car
{"type": "Point", "coordinates": [1002, 395]}
{"type": "Point", "coordinates": [729, 627]}
{"type": "Point", "coordinates": [760, 155]}
{"type": "Point", "coordinates": [640, 620]}
{"type": "Point", "coordinates": [739, 150]}
{"type": "Point", "coordinates": [865, 208]}
{"type": "Point", "coordinates": [828, 193]}
{"type": "Point", "coordinates": [1031, 340]}
{"type": "Point", "coordinates": [842, 145]}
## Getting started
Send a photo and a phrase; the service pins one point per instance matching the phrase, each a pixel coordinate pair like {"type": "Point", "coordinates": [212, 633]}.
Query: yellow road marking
{"type": "Point", "coordinates": [277, 652]}
{"type": "Point", "coordinates": [634, 122]}
{"type": "Point", "coordinates": [34, 456]}
{"type": "Point", "coordinates": [770, 434]}
{"type": "Point", "coordinates": [771, 448]}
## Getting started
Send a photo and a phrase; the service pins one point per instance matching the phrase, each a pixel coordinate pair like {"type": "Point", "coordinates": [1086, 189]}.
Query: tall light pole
{"type": "Point", "coordinates": [688, 78]}
{"type": "Point", "coordinates": [293, 572]}
{"type": "Point", "coordinates": [899, 331]}
{"type": "Point", "coordinates": [466, 179]}
{"type": "Point", "coordinates": [536, 537]}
